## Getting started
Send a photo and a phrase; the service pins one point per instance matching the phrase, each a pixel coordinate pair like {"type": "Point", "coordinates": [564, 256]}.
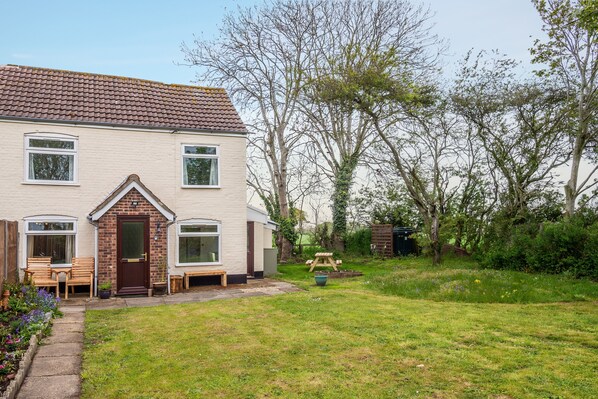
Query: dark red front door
{"type": "Point", "coordinates": [133, 255]}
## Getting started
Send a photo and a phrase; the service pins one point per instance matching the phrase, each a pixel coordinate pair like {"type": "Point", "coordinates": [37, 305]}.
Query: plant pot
{"type": "Point", "coordinates": [160, 288]}
{"type": "Point", "coordinates": [104, 294]}
{"type": "Point", "coordinates": [321, 280]}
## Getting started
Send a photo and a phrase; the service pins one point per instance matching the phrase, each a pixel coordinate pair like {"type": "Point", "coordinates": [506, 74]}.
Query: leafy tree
{"type": "Point", "coordinates": [571, 56]}
{"type": "Point", "coordinates": [360, 44]}
{"type": "Point", "coordinates": [520, 126]}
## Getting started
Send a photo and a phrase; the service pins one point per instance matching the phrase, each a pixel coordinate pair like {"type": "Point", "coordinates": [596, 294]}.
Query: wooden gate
{"type": "Point", "coordinates": [9, 238]}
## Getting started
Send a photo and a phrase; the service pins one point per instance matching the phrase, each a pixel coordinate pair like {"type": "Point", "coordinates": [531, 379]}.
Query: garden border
{"type": "Point", "coordinates": [24, 365]}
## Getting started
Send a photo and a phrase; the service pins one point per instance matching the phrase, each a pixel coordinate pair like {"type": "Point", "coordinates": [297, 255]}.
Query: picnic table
{"type": "Point", "coordinates": [323, 259]}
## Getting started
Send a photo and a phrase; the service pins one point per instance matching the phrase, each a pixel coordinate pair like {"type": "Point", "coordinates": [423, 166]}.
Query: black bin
{"type": "Point", "coordinates": [402, 242]}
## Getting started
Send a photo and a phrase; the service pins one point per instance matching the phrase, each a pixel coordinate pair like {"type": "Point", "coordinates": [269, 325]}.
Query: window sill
{"type": "Point", "coordinates": [198, 264]}
{"type": "Point", "coordinates": [184, 186]}
{"type": "Point", "coordinates": [50, 183]}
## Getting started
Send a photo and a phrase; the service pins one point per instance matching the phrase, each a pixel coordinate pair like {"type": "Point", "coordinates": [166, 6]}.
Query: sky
{"type": "Point", "coordinates": [142, 39]}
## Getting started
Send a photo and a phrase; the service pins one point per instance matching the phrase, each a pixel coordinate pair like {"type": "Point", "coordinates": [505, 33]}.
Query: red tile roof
{"type": "Point", "coordinates": [76, 97]}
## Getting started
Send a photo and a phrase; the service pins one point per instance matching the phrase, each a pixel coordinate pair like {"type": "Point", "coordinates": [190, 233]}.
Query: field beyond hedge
{"type": "Point", "coordinates": [388, 334]}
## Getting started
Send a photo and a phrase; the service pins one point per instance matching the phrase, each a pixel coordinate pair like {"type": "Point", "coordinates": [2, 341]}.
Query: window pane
{"type": "Point", "coordinates": [200, 172]}
{"type": "Point", "coordinates": [197, 150]}
{"type": "Point", "coordinates": [43, 143]}
{"type": "Point", "coordinates": [199, 228]}
{"type": "Point", "coordinates": [51, 167]}
{"type": "Point", "coordinates": [198, 249]}
{"type": "Point", "coordinates": [50, 226]}
{"type": "Point", "coordinates": [60, 247]}
{"type": "Point", "coordinates": [132, 240]}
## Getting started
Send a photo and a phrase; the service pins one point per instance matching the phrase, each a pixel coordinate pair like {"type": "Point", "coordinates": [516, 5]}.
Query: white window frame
{"type": "Point", "coordinates": [202, 156]}
{"type": "Point", "coordinates": [52, 151]}
{"type": "Point", "coordinates": [50, 219]}
{"type": "Point", "coordinates": [193, 222]}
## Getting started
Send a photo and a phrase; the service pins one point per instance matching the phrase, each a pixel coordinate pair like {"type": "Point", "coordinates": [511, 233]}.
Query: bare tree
{"type": "Point", "coordinates": [261, 57]}
{"type": "Point", "coordinates": [571, 53]}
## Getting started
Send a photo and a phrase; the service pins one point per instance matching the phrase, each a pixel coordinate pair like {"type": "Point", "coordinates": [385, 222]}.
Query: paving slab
{"type": "Point", "coordinates": [65, 337]}
{"type": "Point", "coordinates": [71, 309]}
{"type": "Point", "coordinates": [67, 328]}
{"type": "Point", "coordinates": [70, 318]}
{"type": "Point", "coordinates": [51, 387]}
{"type": "Point", "coordinates": [63, 365]}
{"type": "Point", "coordinates": [60, 349]}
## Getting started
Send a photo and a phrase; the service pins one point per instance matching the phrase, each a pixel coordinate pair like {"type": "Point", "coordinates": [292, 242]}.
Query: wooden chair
{"type": "Point", "coordinates": [81, 274]}
{"type": "Point", "coordinates": [39, 272]}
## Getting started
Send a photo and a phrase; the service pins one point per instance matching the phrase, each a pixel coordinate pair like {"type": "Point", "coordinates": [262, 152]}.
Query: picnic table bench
{"type": "Point", "coordinates": [324, 259]}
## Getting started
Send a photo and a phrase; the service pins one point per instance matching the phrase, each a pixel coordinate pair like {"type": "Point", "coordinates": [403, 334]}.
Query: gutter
{"type": "Point", "coordinates": [108, 125]}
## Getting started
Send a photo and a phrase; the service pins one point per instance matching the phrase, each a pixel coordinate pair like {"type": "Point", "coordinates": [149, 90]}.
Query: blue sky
{"type": "Point", "coordinates": [142, 39]}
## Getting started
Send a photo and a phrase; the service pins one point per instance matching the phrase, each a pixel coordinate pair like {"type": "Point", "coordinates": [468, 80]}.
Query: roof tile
{"type": "Point", "coordinates": [65, 96]}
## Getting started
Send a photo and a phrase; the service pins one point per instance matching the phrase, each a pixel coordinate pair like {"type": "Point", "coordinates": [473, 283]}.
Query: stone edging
{"type": "Point", "coordinates": [24, 365]}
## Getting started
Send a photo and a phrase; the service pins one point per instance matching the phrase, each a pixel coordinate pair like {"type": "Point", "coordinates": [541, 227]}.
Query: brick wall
{"type": "Point", "coordinates": [107, 236]}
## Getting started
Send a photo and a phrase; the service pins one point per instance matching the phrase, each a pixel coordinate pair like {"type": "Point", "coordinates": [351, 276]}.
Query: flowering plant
{"type": "Point", "coordinates": [29, 312]}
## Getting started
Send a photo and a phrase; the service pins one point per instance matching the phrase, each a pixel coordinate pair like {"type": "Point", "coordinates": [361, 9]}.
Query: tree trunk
{"type": "Point", "coordinates": [571, 189]}
{"type": "Point", "coordinates": [435, 236]}
{"type": "Point", "coordinates": [286, 248]}
{"type": "Point", "coordinates": [340, 200]}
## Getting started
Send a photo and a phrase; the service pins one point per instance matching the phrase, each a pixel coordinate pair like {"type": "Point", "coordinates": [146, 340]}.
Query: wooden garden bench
{"type": "Point", "coordinates": [81, 273]}
{"type": "Point", "coordinates": [39, 271]}
{"type": "Point", "coordinates": [221, 273]}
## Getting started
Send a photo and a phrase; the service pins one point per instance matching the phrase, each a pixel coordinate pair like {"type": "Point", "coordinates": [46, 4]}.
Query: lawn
{"type": "Point", "coordinates": [389, 334]}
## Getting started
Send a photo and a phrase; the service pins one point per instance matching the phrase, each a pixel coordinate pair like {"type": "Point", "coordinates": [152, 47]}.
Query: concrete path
{"type": "Point", "coordinates": [56, 368]}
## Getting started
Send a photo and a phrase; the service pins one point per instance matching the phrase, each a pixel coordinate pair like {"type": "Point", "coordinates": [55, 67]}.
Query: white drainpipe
{"type": "Point", "coordinates": [96, 252]}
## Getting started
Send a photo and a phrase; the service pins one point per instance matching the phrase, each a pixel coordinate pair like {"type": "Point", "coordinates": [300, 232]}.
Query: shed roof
{"type": "Point", "coordinates": [74, 97]}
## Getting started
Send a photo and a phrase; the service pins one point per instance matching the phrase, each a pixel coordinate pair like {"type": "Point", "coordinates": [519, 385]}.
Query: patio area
{"type": "Point", "coordinates": [254, 287]}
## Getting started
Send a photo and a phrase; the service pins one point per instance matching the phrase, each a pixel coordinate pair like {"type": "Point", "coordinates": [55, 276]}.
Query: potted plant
{"type": "Point", "coordinates": [161, 286]}
{"type": "Point", "coordinates": [104, 290]}
{"type": "Point", "coordinates": [321, 279]}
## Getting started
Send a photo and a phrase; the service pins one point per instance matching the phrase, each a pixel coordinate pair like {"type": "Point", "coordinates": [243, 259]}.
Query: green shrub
{"type": "Point", "coordinates": [358, 243]}
{"type": "Point", "coordinates": [309, 252]}
{"type": "Point", "coordinates": [556, 248]}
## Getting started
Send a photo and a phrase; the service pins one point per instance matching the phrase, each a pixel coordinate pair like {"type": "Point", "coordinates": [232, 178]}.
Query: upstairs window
{"type": "Point", "coordinates": [200, 166]}
{"type": "Point", "coordinates": [51, 159]}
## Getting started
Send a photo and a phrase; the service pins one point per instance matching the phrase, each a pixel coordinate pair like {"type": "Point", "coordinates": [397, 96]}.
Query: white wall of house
{"type": "Point", "coordinates": [106, 156]}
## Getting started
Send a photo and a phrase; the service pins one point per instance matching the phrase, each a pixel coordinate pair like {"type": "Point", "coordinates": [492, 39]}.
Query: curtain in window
{"type": "Point", "coordinates": [214, 173]}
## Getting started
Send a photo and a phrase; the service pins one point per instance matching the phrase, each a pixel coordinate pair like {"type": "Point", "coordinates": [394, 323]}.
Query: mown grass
{"type": "Point", "coordinates": [350, 339]}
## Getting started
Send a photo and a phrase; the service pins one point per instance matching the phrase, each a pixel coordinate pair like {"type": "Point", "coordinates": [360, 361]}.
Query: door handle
{"type": "Point", "coordinates": [145, 256]}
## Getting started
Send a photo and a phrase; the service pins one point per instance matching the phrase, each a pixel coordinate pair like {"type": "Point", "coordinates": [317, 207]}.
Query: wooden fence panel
{"type": "Point", "coordinates": [12, 242]}
{"type": "Point", "coordinates": [9, 238]}
{"type": "Point", "coordinates": [3, 259]}
{"type": "Point", "coordinates": [382, 240]}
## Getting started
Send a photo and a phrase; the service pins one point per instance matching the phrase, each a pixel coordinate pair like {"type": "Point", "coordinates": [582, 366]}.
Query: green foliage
{"type": "Point", "coordinates": [567, 247]}
{"type": "Point", "coordinates": [340, 197]}
{"type": "Point", "coordinates": [386, 203]}
{"type": "Point", "coordinates": [310, 251]}
{"type": "Point", "coordinates": [358, 243]}
{"type": "Point", "coordinates": [286, 225]}
{"type": "Point", "coordinates": [322, 235]}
